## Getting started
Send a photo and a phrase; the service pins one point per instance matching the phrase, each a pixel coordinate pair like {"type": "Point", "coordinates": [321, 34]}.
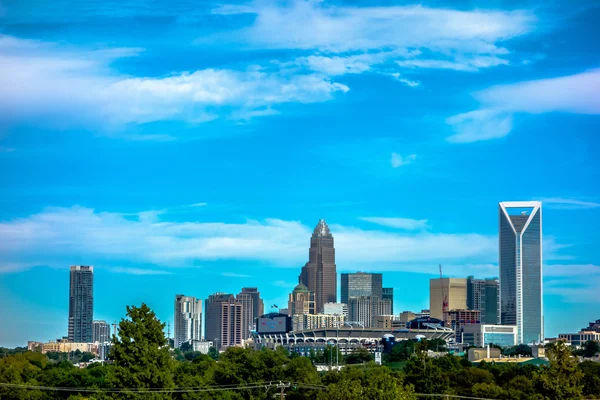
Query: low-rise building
{"type": "Point", "coordinates": [202, 346]}
{"type": "Point", "coordinates": [578, 339]}
{"type": "Point", "coordinates": [317, 321]}
{"type": "Point", "coordinates": [335, 309]}
{"type": "Point", "coordinates": [482, 335]}
{"type": "Point", "coordinates": [61, 346]}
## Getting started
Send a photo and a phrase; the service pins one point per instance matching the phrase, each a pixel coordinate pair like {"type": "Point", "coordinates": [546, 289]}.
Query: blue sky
{"type": "Point", "coordinates": [191, 148]}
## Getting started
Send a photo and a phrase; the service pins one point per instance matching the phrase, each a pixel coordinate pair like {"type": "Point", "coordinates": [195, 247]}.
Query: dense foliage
{"type": "Point", "coordinates": [142, 360]}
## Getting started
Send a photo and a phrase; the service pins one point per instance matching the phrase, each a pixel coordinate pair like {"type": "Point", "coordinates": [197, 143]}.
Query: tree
{"type": "Point", "coordinates": [358, 356]}
{"type": "Point", "coordinates": [402, 351]}
{"type": "Point", "coordinates": [591, 378]}
{"type": "Point", "coordinates": [141, 353]}
{"type": "Point", "coordinates": [213, 353]}
{"type": "Point", "coordinates": [425, 375]}
{"type": "Point", "coordinates": [519, 350]}
{"type": "Point", "coordinates": [590, 348]}
{"type": "Point", "coordinates": [186, 346]}
{"type": "Point", "coordinates": [562, 379]}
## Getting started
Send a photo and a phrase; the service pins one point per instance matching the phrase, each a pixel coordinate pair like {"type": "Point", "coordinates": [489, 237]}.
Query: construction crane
{"type": "Point", "coordinates": [444, 298]}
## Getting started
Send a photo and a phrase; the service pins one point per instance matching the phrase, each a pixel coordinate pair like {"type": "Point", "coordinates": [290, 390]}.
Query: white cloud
{"type": "Point", "coordinates": [354, 39]}
{"type": "Point", "coordinates": [79, 87]}
{"type": "Point", "coordinates": [235, 275]}
{"type": "Point", "coordinates": [568, 204]}
{"type": "Point", "coordinates": [61, 236]}
{"type": "Point", "coordinates": [398, 161]}
{"type": "Point", "coordinates": [480, 125]}
{"type": "Point", "coordinates": [400, 223]}
{"type": "Point", "coordinates": [578, 94]}
{"type": "Point", "coordinates": [407, 82]}
{"type": "Point", "coordinates": [199, 204]}
{"type": "Point", "coordinates": [314, 25]}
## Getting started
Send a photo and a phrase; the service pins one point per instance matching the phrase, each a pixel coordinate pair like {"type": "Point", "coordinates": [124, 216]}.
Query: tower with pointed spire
{"type": "Point", "coordinates": [319, 273]}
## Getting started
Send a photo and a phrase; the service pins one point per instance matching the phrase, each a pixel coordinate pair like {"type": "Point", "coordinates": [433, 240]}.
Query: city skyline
{"type": "Point", "coordinates": [192, 147]}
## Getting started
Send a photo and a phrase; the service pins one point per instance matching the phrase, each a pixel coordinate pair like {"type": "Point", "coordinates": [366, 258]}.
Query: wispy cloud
{"type": "Point", "coordinates": [398, 161]}
{"type": "Point", "coordinates": [568, 204]}
{"type": "Point", "coordinates": [60, 235]}
{"type": "Point", "coordinates": [400, 223]}
{"type": "Point", "coordinates": [202, 204]}
{"type": "Point", "coordinates": [137, 271]}
{"type": "Point", "coordinates": [234, 275]}
{"type": "Point", "coordinates": [407, 82]}
{"type": "Point", "coordinates": [578, 94]}
{"type": "Point", "coordinates": [42, 80]}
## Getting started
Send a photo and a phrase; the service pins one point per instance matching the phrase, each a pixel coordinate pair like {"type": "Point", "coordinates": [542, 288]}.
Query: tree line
{"type": "Point", "coordinates": [141, 360]}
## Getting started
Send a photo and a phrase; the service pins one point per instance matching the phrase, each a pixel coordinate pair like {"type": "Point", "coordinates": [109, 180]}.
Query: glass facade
{"type": "Point", "coordinates": [361, 284]}
{"type": "Point", "coordinates": [501, 339]}
{"type": "Point", "coordinates": [81, 304]}
{"type": "Point", "coordinates": [521, 269]}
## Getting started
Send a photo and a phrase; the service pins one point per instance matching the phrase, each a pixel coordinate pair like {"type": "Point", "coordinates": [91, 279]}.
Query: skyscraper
{"type": "Point", "coordinates": [361, 284]}
{"type": "Point", "coordinates": [387, 293]}
{"type": "Point", "coordinates": [258, 306]}
{"type": "Point", "coordinates": [520, 242]}
{"type": "Point", "coordinates": [81, 304]}
{"type": "Point", "coordinates": [232, 320]}
{"type": "Point", "coordinates": [319, 273]}
{"type": "Point", "coordinates": [247, 302]}
{"type": "Point", "coordinates": [301, 301]}
{"type": "Point", "coordinates": [188, 320]}
{"type": "Point", "coordinates": [100, 332]}
{"type": "Point", "coordinates": [484, 295]}
{"type": "Point", "coordinates": [454, 290]}
{"type": "Point", "coordinates": [212, 316]}
{"type": "Point", "coordinates": [365, 309]}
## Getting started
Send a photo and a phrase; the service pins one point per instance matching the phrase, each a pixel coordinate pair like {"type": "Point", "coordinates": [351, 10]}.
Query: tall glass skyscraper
{"type": "Point", "coordinates": [319, 274]}
{"type": "Point", "coordinates": [520, 242]}
{"type": "Point", "coordinates": [81, 304]}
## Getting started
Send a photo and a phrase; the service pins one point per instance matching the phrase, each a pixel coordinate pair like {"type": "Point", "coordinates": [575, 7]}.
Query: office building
{"type": "Point", "coordinates": [301, 302]}
{"type": "Point", "coordinates": [423, 314]}
{"type": "Point", "coordinates": [520, 249]}
{"type": "Point", "coordinates": [484, 295]}
{"type": "Point", "coordinates": [594, 326]}
{"type": "Point", "coordinates": [188, 320]}
{"type": "Point", "coordinates": [319, 273]}
{"type": "Point", "coordinates": [407, 316]}
{"type": "Point", "coordinates": [451, 290]}
{"type": "Point", "coordinates": [457, 319]}
{"type": "Point", "coordinates": [81, 304]}
{"type": "Point", "coordinates": [258, 306]}
{"type": "Point", "coordinates": [364, 310]}
{"type": "Point", "coordinates": [100, 332]}
{"type": "Point", "coordinates": [247, 301]}
{"type": "Point", "coordinates": [232, 320]}
{"type": "Point", "coordinates": [481, 335]}
{"type": "Point", "coordinates": [317, 321]}
{"type": "Point", "coordinates": [388, 293]}
{"type": "Point", "coordinates": [212, 316]}
{"type": "Point", "coordinates": [579, 339]}
{"type": "Point", "coordinates": [360, 284]}
{"type": "Point", "coordinates": [335, 309]}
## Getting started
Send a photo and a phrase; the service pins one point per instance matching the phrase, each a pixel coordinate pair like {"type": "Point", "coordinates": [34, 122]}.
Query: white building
{"type": "Point", "coordinates": [480, 335]}
{"type": "Point", "coordinates": [335, 309]}
{"type": "Point", "coordinates": [203, 346]}
{"type": "Point", "coordinates": [188, 320]}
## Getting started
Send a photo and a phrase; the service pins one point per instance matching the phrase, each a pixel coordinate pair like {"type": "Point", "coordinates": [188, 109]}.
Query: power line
{"type": "Point", "coordinates": [263, 385]}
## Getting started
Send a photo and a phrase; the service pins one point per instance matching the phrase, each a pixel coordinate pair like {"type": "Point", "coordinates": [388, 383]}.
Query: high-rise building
{"type": "Point", "coordinates": [484, 295]}
{"type": "Point", "coordinates": [247, 302]}
{"type": "Point", "coordinates": [188, 320]}
{"type": "Point", "coordinates": [335, 309]}
{"type": "Point", "coordinates": [319, 273]}
{"type": "Point", "coordinates": [366, 309]}
{"type": "Point", "coordinates": [387, 293]}
{"type": "Point", "coordinates": [360, 284]}
{"type": "Point", "coordinates": [212, 316]}
{"type": "Point", "coordinates": [301, 301]}
{"type": "Point", "coordinates": [454, 290]}
{"type": "Point", "coordinates": [258, 306]}
{"type": "Point", "coordinates": [100, 332]}
{"type": "Point", "coordinates": [520, 242]}
{"type": "Point", "coordinates": [81, 304]}
{"type": "Point", "coordinates": [232, 320]}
